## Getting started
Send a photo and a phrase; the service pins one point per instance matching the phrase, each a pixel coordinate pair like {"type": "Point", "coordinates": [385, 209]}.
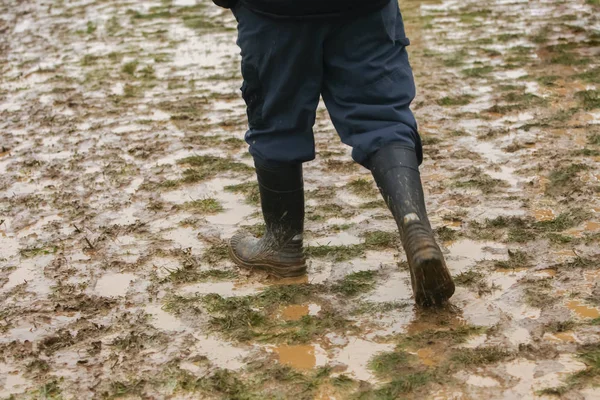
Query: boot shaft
{"type": "Point", "coordinates": [281, 191]}
{"type": "Point", "coordinates": [396, 172]}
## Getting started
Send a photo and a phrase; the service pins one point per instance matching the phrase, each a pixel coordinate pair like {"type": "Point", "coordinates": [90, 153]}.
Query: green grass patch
{"type": "Point", "coordinates": [190, 275]}
{"type": "Point", "coordinates": [590, 355]}
{"type": "Point", "coordinates": [399, 387]}
{"type": "Point", "coordinates": [539, 293]}
{"type": "Point", "coordinates": [480, 356]}
{"type": "Point", "coordinates": [216, 253]}
{"type": "Point", "coordinates": [372, 307]}
{"type": "Point", "coordinates": [248, 318]}
{"type": "Point", "coordinates": [589, 99]}
{"type": "Point", "coordinates": [521, 230]}
{"type": "Point", "coordinates": [36, 251]}
{"type": "Point", "coordinates": [460, 100]}
{"type": "Point", "coordinates": [560, 326]}
{"type": "Point", "coordinates": [199, 22]}
{"type": "Point", "coordinates": [569, 58]}
{"type": "Point", "coordinates": [373, 204]}
{"type": "Point", "coordinates": [473, 177]}
{"type": "Point", "coordinates": [205, 167]}
{"type": "Point", "coordinates": [547, 80]}
{"type": "Point", "coordinates": [586, 152]}
{"type": "Point", "coordinates": [590, 76]}
{"type": "Point", "coordinates": [130, 67]}
{"type": "Point", "coordinates": [248, 189]}
{"type": "Point", "coordinates": [380, 239]}
{"type": "Point", "coordinates": [516, 259]}
{"type": "Point", "coordinates": [154, 13]}
{"type": "Point", "coordinates": [234, 317]}
{"type": "Point", "coordinates": [362, 187]}
{"type": "Point", "coordinates": [523, 100]}
{"type": "Point", "coordinates": [477, 72]}
{"type": "Point", "coordinates": [446, 234]}
{"type": "Point", "coordinates": [474, 280]}
{"type": "Point", "coordinates": [356, 283]}
{"type": "Point", "coordinates": [391, 363]}
{"type": "Point", "coordinates": [564, 179]}
{"type": "Point", "coordinates": [448, 336]}
{"type": "Point", "coordinates": [336, 253]}
{"type": "Point", "coordinates": [204, 206]}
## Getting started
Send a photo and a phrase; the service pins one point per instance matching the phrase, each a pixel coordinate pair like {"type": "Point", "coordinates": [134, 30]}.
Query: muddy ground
{"type": "Point", "coordinates": [123, 173]}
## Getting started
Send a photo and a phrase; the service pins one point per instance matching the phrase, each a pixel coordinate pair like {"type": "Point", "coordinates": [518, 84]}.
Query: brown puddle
{"type": "Point", "coordinates": [544, 214]}
{"type": "Point", "coordinates": [293, 312]}
{"type": "Point", "coordinates": [434, 320]}
{"type": "Point", "coordinates": [548, 272]}
{"type": "Point", "coordinates": [453, 224]}
{"type": "Point", "coordinates": [297, 356]}
{"type": "Point", "coordinates": [592, 226]}
{"type": "Point", "coordinates": [561, 337]}
{"type": "Point", "coordinates": [429, 356]}
{"type": "Point", "coordinates": [582, 310]}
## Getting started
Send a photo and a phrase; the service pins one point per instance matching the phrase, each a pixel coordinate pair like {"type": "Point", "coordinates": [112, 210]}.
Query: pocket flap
{"type": "Point", "coordinates": [404, 41]}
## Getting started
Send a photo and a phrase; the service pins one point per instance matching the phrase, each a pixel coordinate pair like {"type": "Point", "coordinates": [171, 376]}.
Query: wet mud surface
{"type": "Point", "coordinates": [123, 172]}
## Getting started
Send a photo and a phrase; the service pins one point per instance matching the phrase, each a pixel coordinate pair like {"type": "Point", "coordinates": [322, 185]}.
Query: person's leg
{"type": "Point", "coordinates": [368, 87]}
{"type": "Point", "coordinates": [282, 70]}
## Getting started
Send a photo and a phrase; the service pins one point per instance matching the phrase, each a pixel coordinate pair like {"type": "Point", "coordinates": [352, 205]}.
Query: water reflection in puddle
{"type": "Point", "coordinates": [357, 354]}
{"type": "Point", "coordinates": [12, 381]}
{"type": "Point", "coordinates": [185, 238]}
{"type": "Point", "coordinates": [466, 253]}
{"type": "Point", "coordinates": [114, 284]}
{"type": "Point", "coordinates": [531, 378]}
{"type": "Point", "coordinates": [163, 320]}
{"type": "Point", "coordinates": [219, 353]}
{"type": "Point", "coordinates": [482, 381]}
{"type": "Point", "coordinates": [341, 239]}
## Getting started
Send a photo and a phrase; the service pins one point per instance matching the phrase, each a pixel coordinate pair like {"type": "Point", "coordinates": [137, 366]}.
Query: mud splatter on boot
{"type": "Point", "coordinates": [395, 169]}
{"type": "Point", "coordinates": [280, 250]}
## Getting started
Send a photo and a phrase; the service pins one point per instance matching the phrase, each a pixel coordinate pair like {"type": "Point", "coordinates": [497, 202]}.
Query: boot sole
{"type": "Point", "coordinates": [278, 271]}
{"type": "Point", "coordinates": [431, 281]}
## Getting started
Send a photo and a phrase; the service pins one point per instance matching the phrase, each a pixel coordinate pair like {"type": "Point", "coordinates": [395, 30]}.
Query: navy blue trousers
{"type": "Point", "coordinates": [360, 67]}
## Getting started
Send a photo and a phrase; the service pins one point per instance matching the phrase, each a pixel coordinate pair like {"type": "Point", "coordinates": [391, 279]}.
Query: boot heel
{"type": "Point", "coordinates": [430, 278]}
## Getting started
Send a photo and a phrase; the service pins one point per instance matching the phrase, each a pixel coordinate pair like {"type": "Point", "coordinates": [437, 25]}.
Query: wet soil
{"type": "Point", "coordinates": [123, 172]}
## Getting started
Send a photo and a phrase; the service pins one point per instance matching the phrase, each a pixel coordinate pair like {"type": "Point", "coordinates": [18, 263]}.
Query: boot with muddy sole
{"type": "Point", "coordinates": [396, 171]}
{"type": "Point", "coordinates": [280, 251]}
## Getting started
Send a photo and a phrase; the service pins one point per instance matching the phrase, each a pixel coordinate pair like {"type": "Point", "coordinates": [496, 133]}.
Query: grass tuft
{"type": "Point", "coordinates": [248, 189]}
{"type": "Point", "coordinates": [480, 356]}
{"type": "Point", "coordinates": [356, 283]}
{"type": "Point", "coordinates": [204, 206]}
{"type": "Point", "coordinates": [589, 99]}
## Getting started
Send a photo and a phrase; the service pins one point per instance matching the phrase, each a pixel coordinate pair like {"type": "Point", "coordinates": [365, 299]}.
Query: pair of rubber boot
{"type": "Point", "coordinates": [396, 172]}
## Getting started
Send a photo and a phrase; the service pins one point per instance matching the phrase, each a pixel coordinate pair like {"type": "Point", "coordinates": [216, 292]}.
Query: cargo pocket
{"type": "Point", "coordinates": [253, 94]}
{"type": "Point", "coordinates": [393, 24]}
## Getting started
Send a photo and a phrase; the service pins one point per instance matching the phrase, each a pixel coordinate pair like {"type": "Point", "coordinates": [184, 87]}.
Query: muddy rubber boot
{"type": "Point", "coordinates": [396, 171]}
{"type": "Point", "coordinates": [279, 251]}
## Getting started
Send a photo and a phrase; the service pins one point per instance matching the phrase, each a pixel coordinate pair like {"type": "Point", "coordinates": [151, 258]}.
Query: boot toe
{"type": "Point", "coordinates": [249, 252]}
